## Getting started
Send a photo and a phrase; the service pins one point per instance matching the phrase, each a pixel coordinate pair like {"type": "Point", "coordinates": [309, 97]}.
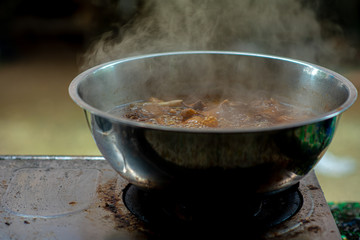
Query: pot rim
{"type": "Point", "coordinates": [74, 94]}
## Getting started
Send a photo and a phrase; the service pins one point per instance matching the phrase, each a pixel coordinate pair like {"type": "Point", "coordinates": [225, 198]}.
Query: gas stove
{"type": "Point", "coordinates": [82, 197]}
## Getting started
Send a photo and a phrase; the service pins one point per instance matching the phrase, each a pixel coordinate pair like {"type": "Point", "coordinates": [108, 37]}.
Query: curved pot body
{"type": "Point", "coordinates": [257, 160]}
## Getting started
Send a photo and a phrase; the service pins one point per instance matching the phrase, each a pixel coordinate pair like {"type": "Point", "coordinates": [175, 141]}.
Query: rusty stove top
{"type": "Point", "coordinates": [80, 197]}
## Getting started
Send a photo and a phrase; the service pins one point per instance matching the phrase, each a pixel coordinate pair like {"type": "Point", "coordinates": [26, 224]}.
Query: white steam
{"type": "Point", "coordinates": [278, 27]}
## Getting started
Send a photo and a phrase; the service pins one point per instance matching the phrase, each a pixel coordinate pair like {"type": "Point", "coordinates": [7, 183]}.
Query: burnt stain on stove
{"type": "Point", "coordinates": [305, 221]}
{"type": "Point", "coordinates": [314, 229]}
{"type": "Point", "coordinates": [312, 187]}
{"type": "Point", "coordinates": [111, 202]}
{"type": "Point", "coordinates": [3, 184]}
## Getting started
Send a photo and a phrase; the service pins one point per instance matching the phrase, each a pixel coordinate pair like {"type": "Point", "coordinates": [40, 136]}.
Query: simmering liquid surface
{"type": "Point", "coordinates": [205, 113]}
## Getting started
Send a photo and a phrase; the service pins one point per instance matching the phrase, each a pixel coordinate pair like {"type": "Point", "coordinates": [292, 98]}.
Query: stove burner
{"type": "Point", "coordinates": [221, 211]}
{"type": "Point", "coordinates": [280, 207]}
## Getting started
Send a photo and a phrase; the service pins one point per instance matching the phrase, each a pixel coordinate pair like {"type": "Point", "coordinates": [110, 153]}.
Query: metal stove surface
{"type": "Point", "coordinates": [64, 197]}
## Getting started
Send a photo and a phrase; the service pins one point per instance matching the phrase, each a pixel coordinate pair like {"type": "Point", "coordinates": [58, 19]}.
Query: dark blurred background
{"type": "Point", "coordinates": [41, 46]}
{"type": "Point", "coordinates": [27, 23]}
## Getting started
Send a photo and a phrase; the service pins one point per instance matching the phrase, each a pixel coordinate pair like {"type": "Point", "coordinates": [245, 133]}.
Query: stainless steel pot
{"type": "Point", "coordinates": [253, 160]}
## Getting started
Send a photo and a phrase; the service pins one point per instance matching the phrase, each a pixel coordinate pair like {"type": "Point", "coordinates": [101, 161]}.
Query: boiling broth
{"type": "Point", "coordinates": [259, 113]}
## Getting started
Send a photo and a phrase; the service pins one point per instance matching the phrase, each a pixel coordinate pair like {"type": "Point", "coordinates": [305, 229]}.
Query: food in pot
{"type": "Point", "coordinates": [206, 113]}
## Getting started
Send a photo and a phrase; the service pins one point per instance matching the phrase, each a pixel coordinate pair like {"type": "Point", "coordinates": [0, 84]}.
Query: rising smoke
{"type": "Point", "coordinates": [279, 27]}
